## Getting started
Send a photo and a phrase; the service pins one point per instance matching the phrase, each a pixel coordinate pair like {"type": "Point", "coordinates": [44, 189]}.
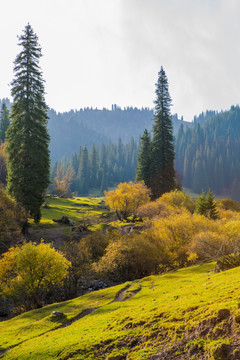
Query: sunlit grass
{"type": "Point", "coordinates": [70, 207]}
{"type": "Point", "coordinates": [157, 310]}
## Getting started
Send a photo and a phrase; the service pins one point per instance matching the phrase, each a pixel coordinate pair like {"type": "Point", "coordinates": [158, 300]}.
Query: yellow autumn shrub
{"type": "Point", "coordinates": [126, 198]}
{"type": "Point", "coordinates": [129, 257]}
{"type": "Point", "coordinates": [228, 204]}
{"type": "Point", "coordinates": [178, 199]}
{"type": "Point", "coordinates": [209, 245]}
{"type": "Point", "coordinates": [27, 272]}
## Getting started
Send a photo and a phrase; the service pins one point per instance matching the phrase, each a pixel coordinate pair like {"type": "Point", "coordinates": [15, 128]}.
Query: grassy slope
{"type": "Point", "coordinates": [72, 208]}
{"type": "Point", "coordinates": [170, 312]}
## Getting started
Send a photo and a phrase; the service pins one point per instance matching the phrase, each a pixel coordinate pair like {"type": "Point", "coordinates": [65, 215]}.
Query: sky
{"type": "Point", "coordinates": [102, 52]}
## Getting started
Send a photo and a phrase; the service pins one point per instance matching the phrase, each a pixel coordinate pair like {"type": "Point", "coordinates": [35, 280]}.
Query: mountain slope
{"type": "Point", "coordinates": [87, 126]}
{"type": "Point", "coordinates": [207, 156]}
{"type": "Point", "coordinates": [188, 314]}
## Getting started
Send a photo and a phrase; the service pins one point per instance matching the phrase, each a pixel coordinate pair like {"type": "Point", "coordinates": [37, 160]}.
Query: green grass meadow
{"type": "Point", "coordinates": [129, 321]}
{"type": "Point", "coordinates": [72, 208]}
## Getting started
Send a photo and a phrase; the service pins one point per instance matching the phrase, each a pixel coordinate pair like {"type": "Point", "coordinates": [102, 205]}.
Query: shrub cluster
{"type": "Point", "coordinates": [175, 236]}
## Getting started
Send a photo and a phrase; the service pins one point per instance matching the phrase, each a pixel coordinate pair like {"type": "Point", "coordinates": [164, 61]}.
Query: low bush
{"type": "Point", "coordinates": [168, 204]}
{"type": "Point", "coordinates": [128, 258]}
{"type": "Point", "coordinates": [27, 272]}
{"type": "Point", "coordinates": [227, 262]}
{"type": "Point", "coordinates": [210, 245]}
{"type": "Point", "coordinates": [228, 204]}
{"type": "Point", "coordinates": [12, 217]}
{"type": "Point", "coordinates": [177, 198]}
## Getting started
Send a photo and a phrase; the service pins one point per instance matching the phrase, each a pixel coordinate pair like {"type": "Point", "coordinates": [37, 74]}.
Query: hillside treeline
{"type": "Point", "coordinates": [90, 126]}
{"type": "Point", "coordinates": [95, 168]}
{"type": "Point", "coordinates": [207, 156]}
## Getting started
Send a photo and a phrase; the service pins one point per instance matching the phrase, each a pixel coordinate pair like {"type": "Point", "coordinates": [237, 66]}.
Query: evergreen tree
{"type": "Point", "coordinates": [162, 165]}
{"type": "Point", "coordinates": [206, 205]}
{"type": "Point", "coordinates": [104, 179]}
{"type": "Point", "coordinates": [212, 211]}
{"type": "Point", "coordinates": [93, 166]}
{"type": "Point", "coordinates": [201, 204]}
{"type": "Point", "coordinates": [4, 122]}
{"type": "Point", "coordinates": [144, 159]}
{"type": "Point", "coordinates": [83, 173]}
{"type": "Point", "coordinates": [28, 139]}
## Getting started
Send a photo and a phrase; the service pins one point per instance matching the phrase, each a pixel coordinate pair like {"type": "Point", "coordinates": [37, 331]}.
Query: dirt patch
{"type": "Point", "coordinates": [126, 293]}
{"type": "Point", "coordinates": [56, 236]}
{"type": "Point", "coordinates": [83, 313]}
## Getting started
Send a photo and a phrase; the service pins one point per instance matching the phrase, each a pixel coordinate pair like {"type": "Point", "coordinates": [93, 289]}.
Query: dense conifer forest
{"type": "Point", "coordinates": [207, 154]}
{"type": "Point", "coordinates": [96, 168]}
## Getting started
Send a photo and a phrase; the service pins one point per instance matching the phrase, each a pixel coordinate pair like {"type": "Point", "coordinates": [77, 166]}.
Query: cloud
{"type": "Point", "coordinates": [101, 52]}
{"type": "Point", "coordinates": [195, 41]}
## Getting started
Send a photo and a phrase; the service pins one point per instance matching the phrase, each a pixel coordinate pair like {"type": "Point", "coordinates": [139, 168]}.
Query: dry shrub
{"type": "Point", "coordinates": [228, 204]}
{"type": "Point", "coordinates": [232, 230]}
{"type": "Point", "coordinates": [79, 256]}
{"type": "Point", "coordinates": [210, 245]}
{"type": "Point", "coordinates": [227, 262]}
{"type": "Point", "coordinates": [155, 208]}
{"type": "Point", "coordinates": [226, 215]}
{"type": "Point", "coordinates": [129, 258]}
{"type": "Point", "coordinates": [174, 238]}
{"type": "Point", "coordinates": [168, 204]}
{"type": "Point", "coordinates": [97, 242]}
{"type": "Point", "coordinates": [11, 219]}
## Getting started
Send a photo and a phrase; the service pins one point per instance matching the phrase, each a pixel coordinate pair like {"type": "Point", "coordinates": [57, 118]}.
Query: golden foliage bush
{"type": "Point", "coordinates": [174, 237]}
{"type": "Point", "coordinates": [208, 245]}
{"type": "Point", "coordinates": [174, 233]}
{"type": "Point", "coordinates": [27, 272]}
{"type": "Point", "coordinates": [96, 243]}
{"type": "Point", "coordinates": [129, 257]}
{"type": "Point", "coordinates": [155, 208]}
{"type": "Point", "coordinates": [228, 204]}
{"type": "Point", "coordinates": [179, 199]}
{"type": "Point", "coordinates": [168, 204]}
{"type": "Point", "coordinates": [11, 218]}
{"type": "Point", "coordinates": [126, 198]}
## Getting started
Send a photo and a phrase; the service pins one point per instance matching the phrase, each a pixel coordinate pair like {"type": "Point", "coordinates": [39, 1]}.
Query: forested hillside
{"type": "Point", "coordinates": [96, 168]}
{"type": "Point", "coordinates": [91, 126]}
{"type": "Point", "coordinates": [207, 156]}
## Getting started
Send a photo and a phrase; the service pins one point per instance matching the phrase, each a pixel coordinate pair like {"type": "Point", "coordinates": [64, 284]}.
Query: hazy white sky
{"type": "Point", "coordinates": [102, 52]}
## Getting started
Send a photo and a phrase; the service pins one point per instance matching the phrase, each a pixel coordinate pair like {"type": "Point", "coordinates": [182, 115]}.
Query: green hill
{"type": "Point", "coordinates": [191, 313]}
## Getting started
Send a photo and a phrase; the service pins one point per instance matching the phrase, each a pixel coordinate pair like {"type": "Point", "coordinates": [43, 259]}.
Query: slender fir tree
{"type": "Point", "coordinates": [201, 204]}
{"type": "Point", "coordinates": [28, 139]}
{"type": "Point", "coordinates": [83, 172]}
{"type": "Point", "coordinates": [4, 122]}
{"type": "Point", "coordinates": [211, 206]}
{"type": "Point", "coordinates": [162, 164]}
{"type": "Point", "coordinates": [144, 159]}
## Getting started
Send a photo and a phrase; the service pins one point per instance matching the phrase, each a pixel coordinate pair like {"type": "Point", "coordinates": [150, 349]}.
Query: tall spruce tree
{"type": "Point", "coordinates": [28, 139]}
{"type": "Point", "coordinates": [144, 159]}
{"type": "Point", "coordinates": [162, 164]}
{"type": "Point", "coordinates": [83, 172]}
{"type": "Point", "coordinates": [4, 122]}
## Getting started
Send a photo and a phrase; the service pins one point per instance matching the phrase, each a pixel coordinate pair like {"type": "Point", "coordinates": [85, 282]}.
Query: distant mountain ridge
{"type": "Point", "coordinates": [89, 126]}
